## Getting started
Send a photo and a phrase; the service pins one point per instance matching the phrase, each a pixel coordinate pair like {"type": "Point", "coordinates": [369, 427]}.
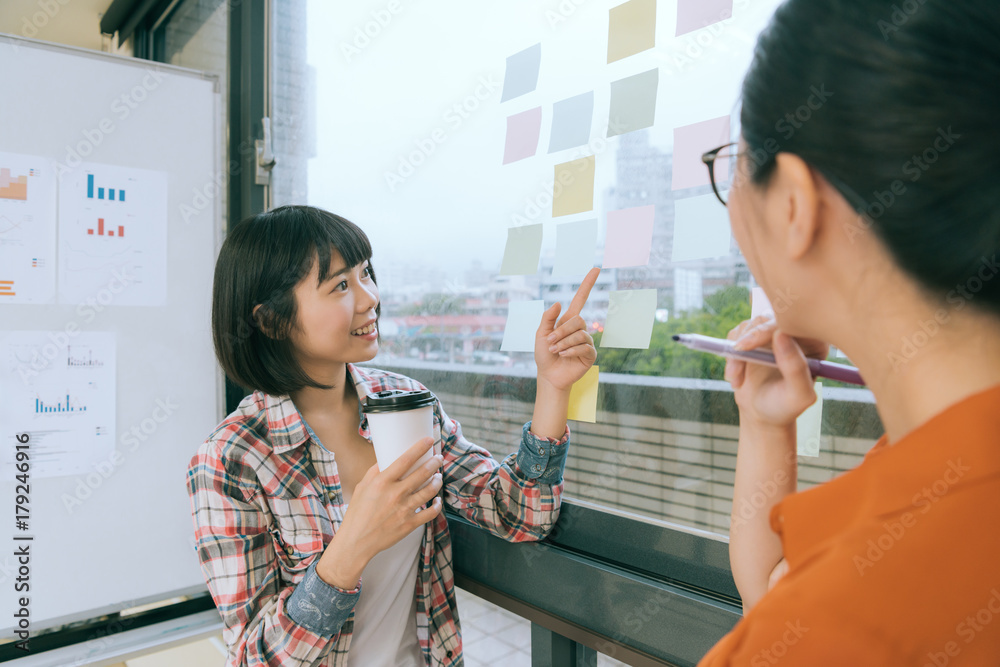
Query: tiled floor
{"type": "Point", "coordinates": [492, 637]}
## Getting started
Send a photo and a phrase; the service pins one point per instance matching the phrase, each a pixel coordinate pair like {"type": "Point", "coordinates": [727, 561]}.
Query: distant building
{"type": "Point", "coordinates": [643, 177]}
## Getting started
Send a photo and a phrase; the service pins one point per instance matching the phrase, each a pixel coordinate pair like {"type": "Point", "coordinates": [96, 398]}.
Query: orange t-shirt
{"type": "Point", "coordinates": [896, 562]}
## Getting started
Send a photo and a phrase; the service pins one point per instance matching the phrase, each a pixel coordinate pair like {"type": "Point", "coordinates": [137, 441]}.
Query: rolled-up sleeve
{"type": "Point", "coordinates": [542, 459]}
{"type": "Point", "coordinates": [265, 622]}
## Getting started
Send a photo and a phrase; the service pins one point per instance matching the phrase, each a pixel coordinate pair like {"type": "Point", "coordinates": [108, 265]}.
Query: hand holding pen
{"type": "Point", "coordinates": [772, 394]}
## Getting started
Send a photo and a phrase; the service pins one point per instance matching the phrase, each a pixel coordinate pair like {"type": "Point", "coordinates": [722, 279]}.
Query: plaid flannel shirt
{"type": "Point", "coordinates": [264, 510]}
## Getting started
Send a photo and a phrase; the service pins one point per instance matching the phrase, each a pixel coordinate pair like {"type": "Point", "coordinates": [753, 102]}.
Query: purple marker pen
{"type": "Point", "coordinates": [724, 348]}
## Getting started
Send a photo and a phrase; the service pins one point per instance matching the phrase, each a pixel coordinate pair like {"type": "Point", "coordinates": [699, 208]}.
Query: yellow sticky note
{"type": "Point", "coordinates": [573, 188]}
{"type": "Point", "coordinates": [631, 28]}
{"type": "Point", "coordinates": [583, 398]}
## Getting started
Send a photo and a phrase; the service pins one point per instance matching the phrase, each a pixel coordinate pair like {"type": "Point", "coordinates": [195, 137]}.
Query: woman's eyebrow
{"type": "Point", "coordinates": [335, 274]}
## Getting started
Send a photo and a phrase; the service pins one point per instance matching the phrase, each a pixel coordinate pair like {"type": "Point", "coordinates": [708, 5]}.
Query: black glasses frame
{"type": "Point", "coordinates": [709, 160]}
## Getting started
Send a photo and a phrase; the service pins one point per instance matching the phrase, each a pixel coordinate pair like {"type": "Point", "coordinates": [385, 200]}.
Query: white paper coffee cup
{"type": "Point", "coordinates": [397, 419]}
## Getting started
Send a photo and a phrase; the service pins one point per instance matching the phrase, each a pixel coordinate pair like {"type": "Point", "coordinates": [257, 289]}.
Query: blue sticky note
{"type": "Point", "coordinates": [522, 72]}
{"type": "Point", "coordinates": [523, 318]}
{"type": "Point", "coordinates": [571, 121]}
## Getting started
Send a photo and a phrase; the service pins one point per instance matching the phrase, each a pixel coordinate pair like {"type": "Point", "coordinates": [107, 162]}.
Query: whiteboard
{"type": "Point", "coordinates": [129, 541]}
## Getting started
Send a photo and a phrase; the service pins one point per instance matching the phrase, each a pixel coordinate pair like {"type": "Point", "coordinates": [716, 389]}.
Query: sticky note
{"type": "Point", "coordinates": [522, 135]}
{"type": "Point", "coordinates": [521, 76]}
{"type": "Point", "coordinates": [571, 121]}
{"type": "Point", "coordinates": [523, 318]}
{"type": "Point", "coordinates": [701, 229]}
{"type": "Point", "coordinates": [583, 397]}
{"type": "Point", "coordinates": [629, 237]}
{"type": "Point", "coordinates": [631, 28]}
{"type": "Point", "coordinates": [630, 319]}
{"type": "Point", "coordinates": [696, 14]}
{"type": "Point", "coordinates": [633, 102]}
{"type": "Point", "coordinates": [808, 426]}
{"type": "Point", "coordinates": [576, 245]}
{"type": "Point", "coordinates": [690, 143]}
{"type": "Point", "coordinates": [573, 188]}
{"type": "Point", "coordinates": [759, 303]}
{"type": "Point", "coordinates": [524, 247]}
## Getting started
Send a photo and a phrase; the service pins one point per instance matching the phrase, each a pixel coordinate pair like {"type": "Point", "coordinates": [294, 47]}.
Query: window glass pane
{"type": "Point", "coordinates": [397, 120]}
{"type": "Point", "coordinates": [196, 35]}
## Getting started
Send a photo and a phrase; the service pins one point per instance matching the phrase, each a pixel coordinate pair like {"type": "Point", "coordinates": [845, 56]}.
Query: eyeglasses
{"type": "Point", "coordinates": [726, 152]}
{"type": "Point", "coordinates": [729, 151]}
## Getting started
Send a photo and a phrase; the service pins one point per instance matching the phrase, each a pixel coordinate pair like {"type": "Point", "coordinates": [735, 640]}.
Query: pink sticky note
{"type": "Point", "coordinates": [629, 237]}
{"type": "Point", "coordinates": [522, 135]}
{"type": "Point", "coordinates": [690, 142]}
{"type": "Point", "coordinates": [759, 303]}
{"type": "Point", "coordinates": [696, 14]}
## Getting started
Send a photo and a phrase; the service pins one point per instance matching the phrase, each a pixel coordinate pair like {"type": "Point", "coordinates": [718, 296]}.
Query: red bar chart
{"type": "Point", "coordinates": [110, 232]}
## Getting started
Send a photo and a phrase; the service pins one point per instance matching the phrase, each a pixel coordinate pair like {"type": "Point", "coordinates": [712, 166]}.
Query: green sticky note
{"type": "Point", "coordinates": [630, 319]}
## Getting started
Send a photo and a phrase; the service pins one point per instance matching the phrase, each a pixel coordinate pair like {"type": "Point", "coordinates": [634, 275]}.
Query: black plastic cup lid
{"type": "Point", "coordinates": [397, 400]}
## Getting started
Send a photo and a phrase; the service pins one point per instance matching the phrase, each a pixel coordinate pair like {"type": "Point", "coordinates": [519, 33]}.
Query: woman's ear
{"type": "Point", "coordinates": [263, 320]}
{"type": "Point", "coordinates": [799, 203]}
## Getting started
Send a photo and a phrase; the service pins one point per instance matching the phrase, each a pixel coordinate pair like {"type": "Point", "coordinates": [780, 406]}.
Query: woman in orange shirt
{"type": "Point", "coordinates": [867, 195]}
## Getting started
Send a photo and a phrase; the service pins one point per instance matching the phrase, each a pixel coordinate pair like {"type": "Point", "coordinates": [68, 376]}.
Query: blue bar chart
{"type": "Point", "coordinates": [100, 191]}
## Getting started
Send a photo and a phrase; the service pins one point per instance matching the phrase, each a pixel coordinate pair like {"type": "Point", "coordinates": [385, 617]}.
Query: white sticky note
{"type": "Point", "coordinates": [630, 319]}
{"type": "Point", "coordinates": [701, 229]}
{"type": "Point", "coordinates": [759, 303]}
{"type": "Point", "coordinates": [576, 245]}
{"type": "Point", "coordinates": [524, 247]}
{"type": "Point", "coordinates": [808, 425]}
{"type": "Point", "coordinates": [523, 318]}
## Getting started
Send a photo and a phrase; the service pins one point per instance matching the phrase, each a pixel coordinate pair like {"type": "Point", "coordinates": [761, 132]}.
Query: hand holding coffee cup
{"type": "Point", "coordinates": [397, 419]}
{"type": "Point", "coordinates": [385, 507]}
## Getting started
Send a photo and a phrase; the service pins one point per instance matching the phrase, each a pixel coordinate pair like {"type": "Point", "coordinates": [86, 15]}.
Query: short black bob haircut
{"type": "Point", "coordinates": [261, 261]}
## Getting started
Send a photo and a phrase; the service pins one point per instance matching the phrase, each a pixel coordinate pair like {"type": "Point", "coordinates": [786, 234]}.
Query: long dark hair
{"type": "Point", "coordinates": [895, 103]}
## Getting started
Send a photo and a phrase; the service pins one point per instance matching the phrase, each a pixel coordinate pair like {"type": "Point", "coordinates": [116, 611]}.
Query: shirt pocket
{"type": "Point", "coordinates": [301, 528]}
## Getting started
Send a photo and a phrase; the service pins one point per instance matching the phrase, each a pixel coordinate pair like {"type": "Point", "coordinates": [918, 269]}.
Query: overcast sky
{"type": "Point", "coordinates": [374, 104]}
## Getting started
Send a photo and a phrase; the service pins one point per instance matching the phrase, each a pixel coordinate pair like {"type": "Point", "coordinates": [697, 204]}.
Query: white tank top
{"type": "Point", "coordinates": [385, 616]}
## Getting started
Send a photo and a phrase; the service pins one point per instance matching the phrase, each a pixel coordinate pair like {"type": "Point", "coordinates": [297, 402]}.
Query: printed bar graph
{"type": "Point", "coordinates": [7, 288]}
{"type": "Point", "coordinates": [41, 407]}
{"type": "Point", "coordinates": [81, 361]}
{"type": "Point", "coordinates": [100, 191]}
{"type": "Point", "coordinates": [13, 187]}
{"type": "Point", "coordinates": [110, 232]}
